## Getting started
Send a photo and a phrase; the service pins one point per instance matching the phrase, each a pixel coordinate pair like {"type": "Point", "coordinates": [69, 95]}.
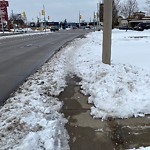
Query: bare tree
{"type": "Point", "coordinates": [147, 8]}
{"type": "Point", "coordinates": [117, 4]}
{"type": "Point", "coordinates": [115, 12]}
{"type": "Point", "coordinates": [129, 7]}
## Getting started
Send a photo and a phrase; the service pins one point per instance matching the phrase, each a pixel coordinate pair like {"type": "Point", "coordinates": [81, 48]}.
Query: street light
{"type": "Point", "coordinates": [107, 30]}
{"type": "Point", "coordinates": [97, 15]}
{"type": "Point", "coordinates": [1, 17]}
{"type": "Point", "coordinates": [43, 14]}
{"type": "Point", "coordinates": [80, 17]}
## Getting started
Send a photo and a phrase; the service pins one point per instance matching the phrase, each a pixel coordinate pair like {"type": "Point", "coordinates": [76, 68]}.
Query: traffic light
{"type": "Point", "coordinates": [97, 14]}
{"type": "Point", "coordinates": [94, 16]}
{"type": "Point", "coordinates": [80, 17]}
{"type": "Point", "coordinates": [24, 14]}
{"type": "Point", "coordinates": [48, 17]}
{"type": "Point", "coordinates": [43, 12]}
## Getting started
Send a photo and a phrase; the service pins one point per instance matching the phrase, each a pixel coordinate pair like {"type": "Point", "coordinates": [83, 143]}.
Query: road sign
{"type": "Point", "coordinates": [4, 3]}
{"type": "Point", "coordinates": [3, 10]}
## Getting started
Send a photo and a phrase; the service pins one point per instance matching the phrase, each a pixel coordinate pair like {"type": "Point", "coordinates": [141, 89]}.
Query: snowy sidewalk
{"type": "Point", "coordinates": [31, 119]}
{"type": "Point", "coordinates": [87, 133]}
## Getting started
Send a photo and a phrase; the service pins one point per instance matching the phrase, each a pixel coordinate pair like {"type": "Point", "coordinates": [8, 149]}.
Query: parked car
{"type": "Point", "coordinates": [125, 28]}
{"type": "Point", "coordinates": [88, 27]}
{"type": "Point", "coordinates": [21, 30]}
{"type": "Point", "coordinates": [74, 27]}
{"type": "Point", "coordinates": [54, 28]}
{"type": "Point", "coordinates": [142, 26]}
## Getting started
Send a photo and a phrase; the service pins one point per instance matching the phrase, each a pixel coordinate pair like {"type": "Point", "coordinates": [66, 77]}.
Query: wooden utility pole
{"type": "Point", "coordinates": [107, 29]}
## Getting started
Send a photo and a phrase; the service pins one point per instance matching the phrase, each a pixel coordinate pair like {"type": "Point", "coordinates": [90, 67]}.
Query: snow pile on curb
{"type": "Point", "coordinates": [30, 120]}
{"type": "Point", "coordinates": [118, 90]}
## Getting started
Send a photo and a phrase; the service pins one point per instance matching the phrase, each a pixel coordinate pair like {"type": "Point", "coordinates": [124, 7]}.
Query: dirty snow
{"type": "Point", "coordinates": [31, 118]}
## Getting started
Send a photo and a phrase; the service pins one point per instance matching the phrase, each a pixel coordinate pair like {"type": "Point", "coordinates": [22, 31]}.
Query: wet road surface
{"type": "Point", "coordinates": [22, 56]}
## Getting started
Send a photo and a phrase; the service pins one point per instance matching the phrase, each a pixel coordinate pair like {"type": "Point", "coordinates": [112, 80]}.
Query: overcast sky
{"type": "Point", "coordinates": [58, 10]}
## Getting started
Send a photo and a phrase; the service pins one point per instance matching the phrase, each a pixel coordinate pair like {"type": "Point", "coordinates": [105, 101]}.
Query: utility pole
{"type": "Point", "coordinates": [25, 19]}
{"type": "Point", "coordinates": [43, 13]}
{"type": "Point", "coordinates": [107, 30]}
{"type": "Point", "coordinates": [2, 23]}
{"type": "Point", "coordinates": [79, 19]}
{"type": "Point", "coordinates": [94, 20]}
{"type": "Point", "coordinates": [12, 13]}
{"type": "Point", "coordinates": [97, 15]}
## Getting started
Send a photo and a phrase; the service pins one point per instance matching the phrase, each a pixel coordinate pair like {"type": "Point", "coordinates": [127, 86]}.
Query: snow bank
{"type": "Point", "coordinates": [31, 118]}
{"type": "Point", "coordinates": [118, 90]}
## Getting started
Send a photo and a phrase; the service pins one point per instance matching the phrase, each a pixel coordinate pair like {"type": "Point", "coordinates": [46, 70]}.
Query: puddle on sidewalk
{"type": "Point", "coordinates": [87, 133]}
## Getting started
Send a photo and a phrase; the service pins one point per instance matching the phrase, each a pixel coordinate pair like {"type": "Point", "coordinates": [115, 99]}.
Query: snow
{"type": "Point", "coordinates": [33, 113]}
{"type": "Point", "coordinates": [127, 48]}
{"type": "Point", "coordinates": [142, 148]}
{"type": "Point", "coordinates": [29, 32]}
{"type": "Point", "coordinates": [31, 118]}
{"type": "Point", "coordinates": [114, 90]}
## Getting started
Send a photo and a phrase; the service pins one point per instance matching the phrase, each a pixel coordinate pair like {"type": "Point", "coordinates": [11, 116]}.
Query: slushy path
{"type": "Point", "coordinates": [87, 133]}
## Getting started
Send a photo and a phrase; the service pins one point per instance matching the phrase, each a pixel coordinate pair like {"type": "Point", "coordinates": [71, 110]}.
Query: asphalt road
{"type": "Point", "coordinates": [22, 56]}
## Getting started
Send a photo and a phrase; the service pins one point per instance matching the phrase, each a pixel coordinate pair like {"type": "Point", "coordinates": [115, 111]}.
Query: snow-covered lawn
{"type": "Point", "coordinates": [31, 118]}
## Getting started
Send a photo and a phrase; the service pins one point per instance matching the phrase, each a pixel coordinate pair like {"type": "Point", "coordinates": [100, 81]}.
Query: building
{"type": "Point", "coordinates": [139, 15]}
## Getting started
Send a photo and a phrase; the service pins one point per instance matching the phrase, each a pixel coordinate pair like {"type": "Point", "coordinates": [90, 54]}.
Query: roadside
{"type": "Point", "coordinates": [31, 119]}
{"type": "Point", "coordinates": [24, 54]}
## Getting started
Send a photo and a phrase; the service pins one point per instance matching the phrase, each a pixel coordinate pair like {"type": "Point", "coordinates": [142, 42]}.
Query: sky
{"type": "Point", "coordinates": [31, 118]}
{"type": "Point", "coordinates": [58, 10]}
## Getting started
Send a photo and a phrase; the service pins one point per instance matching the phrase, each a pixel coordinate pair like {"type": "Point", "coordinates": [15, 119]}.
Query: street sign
{"type": "Point", "coordinates": [3, 3]}
{"type": "Point", "coordinates": [2, 15]}
{"type": "Point", "coordinates": [3, 10]}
